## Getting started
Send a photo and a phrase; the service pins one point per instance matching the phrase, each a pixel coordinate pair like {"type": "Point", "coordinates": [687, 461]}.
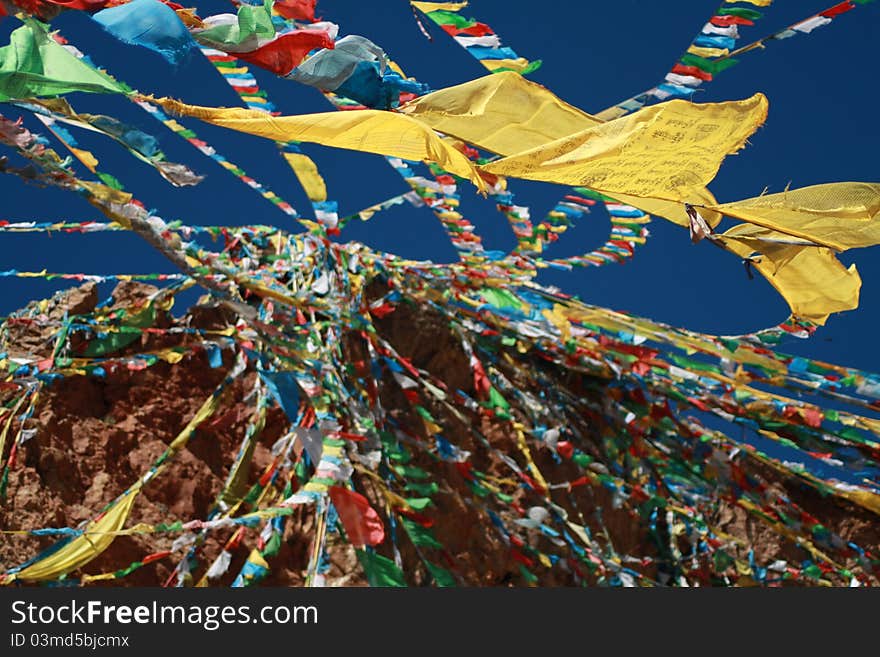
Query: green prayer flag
{"type": "Point", "coordinates": [35, 65]}
{"type": "Point", "coordinates": [411, 472]}
{"type": "Point", "coordinates": [254, 23]}
{"type": "Point", "coordinates": [708, 65]}
{"type": "Point", "coordinates": [496, 399]}
{"type": "Point", "coordinates": [742, 12]}
{"type": "Point", "coordinates": [813, 571]}
{"type": "Point", "coordinates": [441, 576]}
{"type": "Point", "coordinates": [380, 571]}
{"type": "Point", "coordinates": [422, 488]}
{"type": "Point", "coordinates": [419, 535]}
{"type": "Point", "coordinates": [110, 181]}
{"type": "Point", "coordinates": [128, 332]}
{"type": "Point", "coordinates": [421, 410]}
{"type": "Point", "coordinates": [500, 298]}
{"type": "Point", "coordinates": [273, 545]}
{"type": "Point", "coordinates": [419, 503]}
{"type": "Point", "coordinates": [442, 17]}
{"type": "Point", "coordinates": [4, 482]}
{"type": "Point", "coordinates": [528, 575]}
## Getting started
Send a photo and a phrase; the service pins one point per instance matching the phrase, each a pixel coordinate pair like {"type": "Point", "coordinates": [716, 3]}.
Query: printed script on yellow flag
{"type": "Point", "coordinates": [508, 114]}
{"type": "Point", "coordinates": [664, 151]}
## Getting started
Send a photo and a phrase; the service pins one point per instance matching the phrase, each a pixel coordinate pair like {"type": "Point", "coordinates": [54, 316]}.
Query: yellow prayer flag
{"type": "Point", "coordinates": [810, 278]}
{"type": "Point", "coordinates": [170, 356]}
{"type": "Point", "coordinates": [86, 157]}
{"type": "Point", "coordinates": [665, 151]}
{"type": "Point", "coordinates": [308, 175]}
{"type": "Point", "coordinates": [369, 131]}
{"type": "Point", "coordinates": [109, 200]}
{"type": "Point", "coordinates": [97, 537]}
{"type": "Point", "coordinates": [841, 216]}
{"type": "Point", "coordinates": [257, 559]}
{"type": "Point", "coordinates": [708, 53]}
{"type": "Point", "coordinates": [503, 113]}
{"type": "Point", "coordinates": [507, 114]}
{"type": "Point", "coordinates": [517, 65]}
{"type": "Point", "coordinates": [438, 6]}
{"type": "Point", "coordinates": [104, 193]}
{"type": "Point", "coordinates": [99, 534]}
{"type": "Point", "coordinates": [205, 411]}
{"type": "Point", "coordinates": [189, 18]}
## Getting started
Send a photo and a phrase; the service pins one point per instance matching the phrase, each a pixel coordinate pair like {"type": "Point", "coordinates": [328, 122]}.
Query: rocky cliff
{"type": "Point", "coordinates": [89, 437]}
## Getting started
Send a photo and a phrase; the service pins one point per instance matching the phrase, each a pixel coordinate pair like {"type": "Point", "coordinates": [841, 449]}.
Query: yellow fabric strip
{"type": "Point", "coordinates": [517, 65]}
{"type": "Point", "coordinates": [757, 3]}
{"type": "Point", "coordinates": [503, 113]}
{"type": "Point", "coordinates": [369, 131]}
{"type": "Point", "coordinates": [810, 278]}
{"type": "Point", "coordinates": [611, 113]}
{"type": "Point", "coordinates": [308, 175]}
{"type": "Point", "coordinates": [841, 216]}
{"type": "Point", "coordinates": [665, 151]}
{"type": "Point", "coordinates": [8, 423]}
{"type": "Point", "coordinates": [438, 6]}
{"type": "Point", "coordinates": [708, 53]}
{"type": "Point", "coordinates": [88, 160]}
{"type": "Point", "coordinates": [99, 534]}
{"type": "Point", "coordinates": [85, 579]}
{"type": "Point", "coordinates": [506, 114]}
{"type": "Point", "coordinates": [84, 548]}
{"type": "Point", "coordinates": [523, 446]}
{"type": "Point", "coordinates": [207, 409]}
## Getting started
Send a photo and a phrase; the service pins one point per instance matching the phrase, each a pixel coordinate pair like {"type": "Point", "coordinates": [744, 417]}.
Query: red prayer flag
{"type": "Point", "coordinates": [727, 21]}
{"type": "Point", "coordinates": [362, 524]}
{"type": "Point", "coordinates": [812, 417]}
{"type": "Point", "coordinates": [150, 558]}
{"type": "Point", "coordinates": [681, 69]}
{"type": "Point", "coordinates": [477, 29]}
{"type": "Point", "coordinates": [285, 53]}
{"type": "Point", "coordinates": [837, 10]}
{"type": "Point", "coordinates": [565, 449]}
{"type": "Point", "coordinates": [481, 381]}
{"type": "Point", "coordinates": [299, 10]}
{"type": "Point", "coordinates": [81, 5]}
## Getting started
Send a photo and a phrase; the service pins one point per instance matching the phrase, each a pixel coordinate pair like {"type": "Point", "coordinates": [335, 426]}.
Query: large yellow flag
{"type": "Point", "coordinates": [665, 151]}
{"type": "Point", "coordinates": [838, 215]}
{"type": "Point", "coordinates": [508, 114]}
{"type": "Point", "coordinates": [503, 113]}
{"type": "Point", "coordinates": [99, 534]}
{"type": "Point", "coordinates": [97, 537]}
{"type": "Point", "coordinates": [370, 131]}
{"type": "Point", "coordinates": [810, 278]}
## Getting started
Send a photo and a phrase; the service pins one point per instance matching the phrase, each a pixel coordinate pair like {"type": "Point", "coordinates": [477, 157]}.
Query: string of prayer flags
{"type": "Point", "coordinates": [523, 432]}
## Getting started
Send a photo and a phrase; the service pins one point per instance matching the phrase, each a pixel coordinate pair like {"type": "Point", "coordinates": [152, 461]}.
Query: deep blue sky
{"type": "Point", "coordinates": [821, 128]}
